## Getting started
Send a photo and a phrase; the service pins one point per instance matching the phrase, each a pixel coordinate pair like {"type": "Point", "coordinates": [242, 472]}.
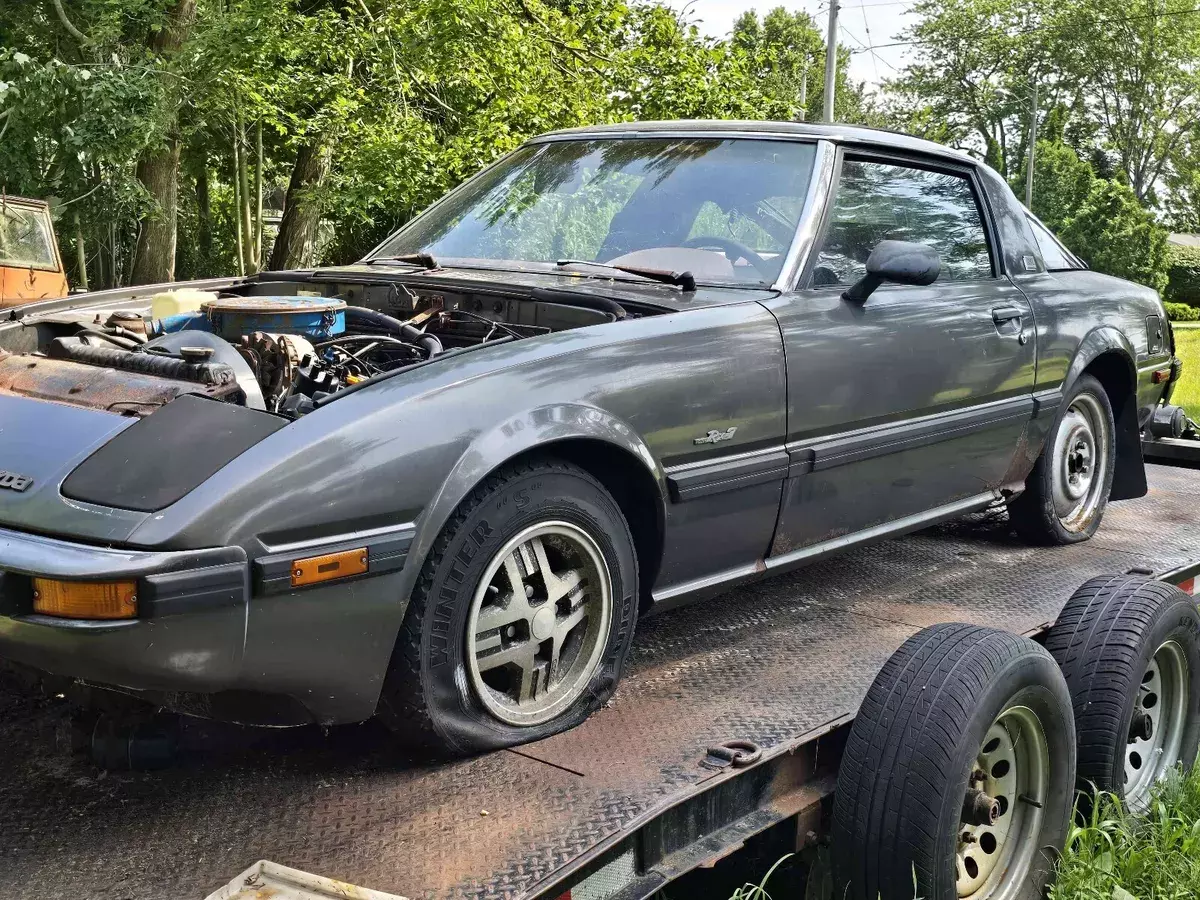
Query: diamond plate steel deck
{"type": "Point", "coordinates": [769, 663]}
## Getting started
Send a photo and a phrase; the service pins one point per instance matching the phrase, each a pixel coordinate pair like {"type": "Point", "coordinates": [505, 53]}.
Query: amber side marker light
{"type": "Point", "coordinates": [315, 569]}
{"type": "Point", "coordinates": [85, 599]}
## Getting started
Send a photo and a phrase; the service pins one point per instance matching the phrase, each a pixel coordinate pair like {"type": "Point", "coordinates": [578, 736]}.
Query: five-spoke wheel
{"type": "Point", "coordinates": [537, 623]}
{"type": "Point", "coordinates": [521, 618]}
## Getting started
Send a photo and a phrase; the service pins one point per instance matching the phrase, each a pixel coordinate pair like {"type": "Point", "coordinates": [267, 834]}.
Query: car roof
{"type": "Point", "coordinates": [842, 134]}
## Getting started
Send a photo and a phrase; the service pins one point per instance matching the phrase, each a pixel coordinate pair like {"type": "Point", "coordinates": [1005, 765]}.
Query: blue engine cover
{"type": "Point", "coordinates": [320, 318]}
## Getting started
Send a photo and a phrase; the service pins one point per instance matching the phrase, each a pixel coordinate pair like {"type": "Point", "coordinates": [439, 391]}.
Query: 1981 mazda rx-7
{"type": "Point", "coordinates": [623, 368]}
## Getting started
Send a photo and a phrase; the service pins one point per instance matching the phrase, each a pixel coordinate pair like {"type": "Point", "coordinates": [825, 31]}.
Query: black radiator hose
{"type": "Point", "coordinates": [360, 317]}
{"type": "Point", "coordinates": [143, 362]}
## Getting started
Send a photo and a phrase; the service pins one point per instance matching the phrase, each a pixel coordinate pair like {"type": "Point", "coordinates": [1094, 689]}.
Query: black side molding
{"type": "Point", "coordinates": [192, 590]}
{"type": "Point", "coordinates": [727, 475]}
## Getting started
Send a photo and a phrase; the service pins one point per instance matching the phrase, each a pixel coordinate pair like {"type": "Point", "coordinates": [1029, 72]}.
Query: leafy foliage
{"type": "Point", "coordinates": [1113, 233]}
{"type": "Point", "coordinates": [1114, 854]}
{"type": "Point", "coordinates": [1182, 312]}
{"type": "Point", "coordinates": [368, 110]}
{"type": "Point", "coordinates": [1063, 181]}
{"type": "Point", "coordinates": [1183, 275]}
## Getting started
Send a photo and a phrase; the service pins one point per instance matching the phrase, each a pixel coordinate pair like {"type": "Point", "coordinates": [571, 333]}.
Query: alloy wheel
{"type": "Point", "coordinates": [539, 623]}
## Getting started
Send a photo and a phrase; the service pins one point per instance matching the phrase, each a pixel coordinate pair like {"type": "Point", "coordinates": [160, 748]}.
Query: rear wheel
{"type": "Point", "coordinates": [1129, 648]}
{"type": "Point", "coordinates": [958, 773]}
{"type": "Point", "coordinates": [1067, 491]}
{"type": "Point", "coordinates": [522, 616]}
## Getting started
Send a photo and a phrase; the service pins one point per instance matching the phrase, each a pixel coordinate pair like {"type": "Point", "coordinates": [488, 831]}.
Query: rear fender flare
{"type": "Point", "coordinates": [522, 433]}
{"type": "Point", "coordinates": [1129, 473]}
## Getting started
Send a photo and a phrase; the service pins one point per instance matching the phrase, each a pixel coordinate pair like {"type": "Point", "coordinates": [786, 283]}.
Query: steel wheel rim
{"type": "Point", "coordinates": [1012, 770]}
{"type": "Point", "coordinates": [533, 649]}
{"type": "Point", "coordinates": [1162, 698]}
{"type": "Point", "coordinates": [1080, 459]}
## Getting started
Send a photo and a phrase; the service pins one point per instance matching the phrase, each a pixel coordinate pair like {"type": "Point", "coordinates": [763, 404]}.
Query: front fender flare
{"type": "Point", "coordinates": [541, 427]}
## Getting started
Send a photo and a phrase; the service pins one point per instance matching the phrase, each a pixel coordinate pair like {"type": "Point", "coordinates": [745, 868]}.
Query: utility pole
{"type": "Point", "coordinates": [831, 45]}
{"type": "Point", "coordinates": [804, 91]}
{"type": "Point", "coordinates": [1033, 113]}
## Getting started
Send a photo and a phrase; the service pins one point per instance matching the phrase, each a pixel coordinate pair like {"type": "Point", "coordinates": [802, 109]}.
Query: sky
{"type": "Point", "coordinates": [862, 24]}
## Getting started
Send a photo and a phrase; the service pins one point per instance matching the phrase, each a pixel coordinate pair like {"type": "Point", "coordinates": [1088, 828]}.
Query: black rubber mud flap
{"type": "Point", "coordinates": [913, 755]}
{"type": "Point", "coordinates": [1105, 640]}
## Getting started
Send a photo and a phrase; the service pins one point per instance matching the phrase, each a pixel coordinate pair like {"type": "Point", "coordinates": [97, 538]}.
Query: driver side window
{"type": "Point", "coordinates": [881, 201]}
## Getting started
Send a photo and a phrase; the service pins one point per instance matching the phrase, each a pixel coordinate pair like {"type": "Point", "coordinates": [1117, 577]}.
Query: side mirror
{"type": "Point", "coordinates": [902, 262]}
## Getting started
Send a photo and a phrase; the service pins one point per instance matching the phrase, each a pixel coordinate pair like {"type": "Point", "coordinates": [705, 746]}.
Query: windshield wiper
{"type": "Point", "coordinates": [685, 280]}
{"type": "Point", "coordinates": [424, 260]}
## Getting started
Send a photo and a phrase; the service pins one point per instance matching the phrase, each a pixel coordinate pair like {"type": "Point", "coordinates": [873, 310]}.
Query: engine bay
{"type": "Point", "coordinates": [277, 346]}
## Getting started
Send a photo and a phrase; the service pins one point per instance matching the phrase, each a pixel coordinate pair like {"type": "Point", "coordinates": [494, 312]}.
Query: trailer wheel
{"type": "Point", "coordinates": [1067, 491]}
{"type": "Point", "coordinates": [958, 773]}
{"type": "Point", "coordinates": [1129, 648]}
{"type": "Point", "coordinates": [521, 618]}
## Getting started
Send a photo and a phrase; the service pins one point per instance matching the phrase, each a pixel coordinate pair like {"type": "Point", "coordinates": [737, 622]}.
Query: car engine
{"type": "Point", "coordinates": [273, 351]}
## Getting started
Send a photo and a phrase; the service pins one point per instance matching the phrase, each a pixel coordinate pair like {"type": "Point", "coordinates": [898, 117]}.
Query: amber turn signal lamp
{"type": "Point", "coordinates": [85, 599]}
{"type": "Point", "coordinates": [315, 569]}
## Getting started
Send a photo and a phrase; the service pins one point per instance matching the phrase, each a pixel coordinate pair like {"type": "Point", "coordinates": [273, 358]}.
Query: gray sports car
{"type": "Point", "coordinates": [624, 368]}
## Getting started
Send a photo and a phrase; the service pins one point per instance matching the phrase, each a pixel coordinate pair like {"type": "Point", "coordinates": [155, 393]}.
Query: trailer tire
{"type": "Point", "coordinates": [1123, 640]}
{"type": "Point", "coordinates": [1053, 508]}
{"type": "Point", "coordinates": [463, 648]}
{"type": "Point", "coordinates": [943, 708]}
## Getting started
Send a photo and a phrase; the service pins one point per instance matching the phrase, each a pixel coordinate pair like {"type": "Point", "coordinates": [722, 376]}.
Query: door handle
{"type": "Point", "coordinates": [1002, 314]}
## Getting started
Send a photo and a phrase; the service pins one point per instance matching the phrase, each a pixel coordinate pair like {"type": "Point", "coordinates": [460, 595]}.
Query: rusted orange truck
{"type": "Point", "coordinates": [30, 265]}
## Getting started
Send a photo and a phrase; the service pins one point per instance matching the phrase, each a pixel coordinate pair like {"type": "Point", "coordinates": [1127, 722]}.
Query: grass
{"type": "Point", "coordinates": [1116, 856]}
{"type": "Point", "coordinates": [1187, 348]}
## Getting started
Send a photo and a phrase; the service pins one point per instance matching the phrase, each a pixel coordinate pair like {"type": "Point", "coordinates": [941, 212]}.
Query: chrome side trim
{"type": "Point", "coordinates": [717, 582]}
{"type": "Point", "coordinates": [895, 528]}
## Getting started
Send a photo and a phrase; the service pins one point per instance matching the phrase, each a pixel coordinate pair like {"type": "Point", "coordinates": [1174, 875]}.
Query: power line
{"type": "Point", "coordinates": [1114, 20]}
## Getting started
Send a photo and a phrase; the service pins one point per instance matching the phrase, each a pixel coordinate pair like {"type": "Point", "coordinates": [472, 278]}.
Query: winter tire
{"type": "Point", "coordinates": [521, 618]}
{"type": "Point", "coordinates": [1129, 648]}
{"type": "Point", "coordinates": [1067, 491]}
{"type": "Point", "coordinates": [958, 775]}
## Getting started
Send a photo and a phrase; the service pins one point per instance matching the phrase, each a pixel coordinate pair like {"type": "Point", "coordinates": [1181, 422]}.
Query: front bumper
{"type": "Point", "coordinates": [216, 635]}
{"type": "Point", "coordinates": [189, 635]}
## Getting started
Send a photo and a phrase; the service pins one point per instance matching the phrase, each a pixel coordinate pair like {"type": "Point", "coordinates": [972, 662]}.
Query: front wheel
{"type": "Point", "coordinates": [522, 616]}
{"type": "Point", "coordinates": [1067, 491]}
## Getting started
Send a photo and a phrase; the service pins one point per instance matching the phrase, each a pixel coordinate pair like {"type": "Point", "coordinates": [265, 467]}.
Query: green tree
{"type": "Point", "coordinates": [1063, 181]}
{"type": "Point", "coordinates": [1115, 234]}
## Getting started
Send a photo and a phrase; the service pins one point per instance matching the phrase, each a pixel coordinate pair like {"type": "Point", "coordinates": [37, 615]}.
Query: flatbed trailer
{"type": "Point", "coordinates": [729, 722]}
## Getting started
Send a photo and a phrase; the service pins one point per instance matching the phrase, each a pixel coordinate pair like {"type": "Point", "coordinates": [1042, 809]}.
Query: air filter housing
{"type": "Point", "coordinates": [319, 318]}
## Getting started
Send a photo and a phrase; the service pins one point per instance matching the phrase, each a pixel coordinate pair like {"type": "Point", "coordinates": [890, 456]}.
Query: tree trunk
{"type": "Point", "coordinates": [80, 252]}
{"type": "Point", "coordinates": [258, 197]}
{"type": "Point", "coordinates": [154, 258]}
{"type": "Point", "coordinates": [158, 168]}
{"type": "Point", "coordinates": [242, 164]}
{"type": "Point", "coordinates": [237, 206]}
{"type": "Point", "coordinates": [295, 245]}
{"type": "Point", "coordinates": [204, 234]}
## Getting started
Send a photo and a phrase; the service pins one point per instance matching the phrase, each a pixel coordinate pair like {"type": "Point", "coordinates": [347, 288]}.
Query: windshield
{"type": "Point", "coordinates": [725, 210]}
{"type": "Point", "coordinates": [26, 237]}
